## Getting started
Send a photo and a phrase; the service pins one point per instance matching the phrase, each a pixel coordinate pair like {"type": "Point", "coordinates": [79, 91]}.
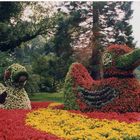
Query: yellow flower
{"type": "Point", "coordinates": [54, 104]}
{"type": "Point", "coordinates": [75, 126]}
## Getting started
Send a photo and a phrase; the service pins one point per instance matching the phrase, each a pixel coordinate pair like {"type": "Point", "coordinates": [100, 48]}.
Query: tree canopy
{"type": "Point", "coordinates": [16, 29]}
{"type": "Point", "coordinates": [46, 36]}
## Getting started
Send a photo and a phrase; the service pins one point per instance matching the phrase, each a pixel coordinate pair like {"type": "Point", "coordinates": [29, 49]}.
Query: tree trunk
{"type": "Point", "coordinates": [96, 53]}
{"type": "Point", "coordinates": [95, 62]}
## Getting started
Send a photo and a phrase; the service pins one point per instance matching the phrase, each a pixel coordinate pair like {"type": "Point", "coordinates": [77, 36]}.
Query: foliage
{"type": "Point", "coordinates": [86, 12]}
{"type": "Point", "coordinates": [46, 37]}
{"type": "Point", "coordinates": [9, 9]}
{"type": "Point", "coordinates": [88, 31]}
{"type": "Point", "coordinates": [50, 71]}
{"type": "Point", "coordinates": [29, 51]}
{"type": "Point", "coordinates": [5, 60]}
{"type": "Point", "coordinates": [32, 85]}
{"type": "Point", "coordinates": [115, 24]}
{"type": "Point", "coordinates": [61, 45]}
{"type": "Point", "coordinates": [101, 25]}
{"type": "Point", "coordinates": [19, 30]}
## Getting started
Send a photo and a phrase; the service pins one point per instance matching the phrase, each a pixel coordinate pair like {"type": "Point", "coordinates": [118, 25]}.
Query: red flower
{"type": "Point", "coordinates": [12, 125]}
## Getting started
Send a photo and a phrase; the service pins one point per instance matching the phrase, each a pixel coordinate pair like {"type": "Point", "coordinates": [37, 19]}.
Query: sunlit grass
{"type": "Point", "coordinates": [45, 96]}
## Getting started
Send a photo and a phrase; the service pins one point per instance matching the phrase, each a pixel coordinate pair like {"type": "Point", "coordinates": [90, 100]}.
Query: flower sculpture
{"type": "Point", "coordinates": [13, 95]}
{"type": "Point", "coordinates": [118, 91]}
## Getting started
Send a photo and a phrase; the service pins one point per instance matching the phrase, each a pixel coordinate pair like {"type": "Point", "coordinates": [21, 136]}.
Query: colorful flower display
{"type": "Point", "coordinates": [45, 122]}
{"type": "Point", "coordinates": [75, 126]}
{"type": "Point", "coordinates": [108, 109]}
{"type": "Point", "coordinates": [13, 125]}
{"type": "Point", "coordinates": [118, 91]}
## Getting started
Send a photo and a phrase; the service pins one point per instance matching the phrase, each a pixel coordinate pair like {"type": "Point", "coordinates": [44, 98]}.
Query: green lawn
{"type": "Point", "coordinates": [57, 97]}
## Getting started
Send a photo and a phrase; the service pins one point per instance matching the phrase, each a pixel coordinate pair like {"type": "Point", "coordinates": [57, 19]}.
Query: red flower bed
{"type": "Point", "coordinates": [12, 125]}
{"type": "Point", "coordinates": [121, 117]}
{"type": "Point", "coordinates": [36, 105]}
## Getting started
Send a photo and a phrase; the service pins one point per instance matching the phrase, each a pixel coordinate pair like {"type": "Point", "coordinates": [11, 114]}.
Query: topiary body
{"type": "Point", "coordinates": [13, 95]}
{"type": "Point", "coordinates": [118, 91]}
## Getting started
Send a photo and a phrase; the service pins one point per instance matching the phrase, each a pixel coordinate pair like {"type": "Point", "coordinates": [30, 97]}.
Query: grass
{"type": "Point", "coordinates": [45, 96]}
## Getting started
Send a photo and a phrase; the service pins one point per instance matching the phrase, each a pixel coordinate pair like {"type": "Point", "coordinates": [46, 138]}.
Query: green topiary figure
{"type": "Point", "coordinates": [13, 95]}
{"type": "Point", "coordinates": [118, 91]}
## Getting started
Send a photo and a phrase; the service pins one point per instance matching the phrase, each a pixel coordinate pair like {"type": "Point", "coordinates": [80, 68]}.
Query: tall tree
{"type": "Point", "coordinates": [115, 25]}
{"type": "Point", "coordinates": [89, 33]}
{"type": "Point", "coordinates": [61, 43]}
{"type": "Point", "coordinates": [95, 61]}
{"type": "Point", "coordinates": [104, 23]}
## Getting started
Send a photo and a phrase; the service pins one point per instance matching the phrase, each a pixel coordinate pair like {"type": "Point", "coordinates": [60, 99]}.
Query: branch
{"type": "Point", "coordinates": [11, 44]}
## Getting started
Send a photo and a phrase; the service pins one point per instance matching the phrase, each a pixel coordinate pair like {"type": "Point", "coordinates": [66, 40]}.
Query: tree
{"type": "Point", "coordinates": [103, 25]}
{"type": "Point", "coordinates": [61, 44]}
{"type": "Point", "coordinates": [47, 67]}
{"type": "Point", "coordinates": [5, 61]}
{"type": "Point", "coordinates": [115, 24]}
{"type": "Point", "coordinates": [29, 51]}
{"type": "Point", "coordinates": [17, 29]}
{"type": "Point", "coordinates": [89, 33]}
{"type": "Point", "coordinates": [9, 9]}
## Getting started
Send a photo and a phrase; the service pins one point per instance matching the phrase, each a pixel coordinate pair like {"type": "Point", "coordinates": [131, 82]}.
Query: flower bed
{"type": "Point", "coordinates": [12, 125]}
{"type": "Point", "coordinates": [46, 122]}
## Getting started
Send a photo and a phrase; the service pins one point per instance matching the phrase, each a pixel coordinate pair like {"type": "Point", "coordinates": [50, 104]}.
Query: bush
{"type": "Point", "coordinates": [32, 85]}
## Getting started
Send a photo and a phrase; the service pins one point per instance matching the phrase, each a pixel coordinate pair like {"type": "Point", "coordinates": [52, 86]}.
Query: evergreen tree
{"type": "Point", "coordinates": [89, 33]}
{"type": "Point", "coordinates": [9, 9]}
{"type": "Point", "coordinates": [115, 24]}
{"type": "Point", "coordinates": [104, 23]}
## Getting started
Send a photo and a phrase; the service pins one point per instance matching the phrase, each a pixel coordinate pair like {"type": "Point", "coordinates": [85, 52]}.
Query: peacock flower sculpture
{"type": "Point", "coordinates": [118, 91]}
{"type": "Point", "coordinates": [13, 95]}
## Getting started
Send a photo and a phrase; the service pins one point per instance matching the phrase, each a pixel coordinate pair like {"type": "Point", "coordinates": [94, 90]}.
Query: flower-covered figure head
{"type": "Point", "coordinates": [16, 76]}
{"type": "Point", "coordinates": [13, 95]}
{"type": "Point", "coordinates": [120, 60]}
